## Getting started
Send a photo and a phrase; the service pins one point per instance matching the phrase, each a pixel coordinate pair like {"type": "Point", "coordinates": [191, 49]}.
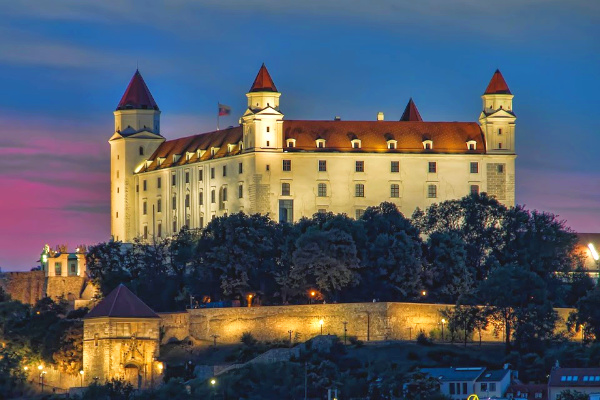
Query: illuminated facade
{"type": "Point", "coordinates": [295, 168]}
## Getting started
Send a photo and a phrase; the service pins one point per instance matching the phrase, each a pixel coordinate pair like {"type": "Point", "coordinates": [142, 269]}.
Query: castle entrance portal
{"type": "Point", "coordinates": [133, 376]}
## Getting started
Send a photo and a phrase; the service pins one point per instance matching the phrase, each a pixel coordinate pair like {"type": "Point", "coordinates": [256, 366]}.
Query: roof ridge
{"type": "Point", "coordinates": [115, 299]}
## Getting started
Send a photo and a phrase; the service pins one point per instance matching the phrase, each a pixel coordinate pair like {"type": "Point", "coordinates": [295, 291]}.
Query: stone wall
{"type": "Point", "coordinates": [174, 326]}
{"type": "Point", "coordinates": [366, 321]}
{"type": "Point", "coordinates": [70, 287]}
{"type": "Point", "coordinates": [26, 287]}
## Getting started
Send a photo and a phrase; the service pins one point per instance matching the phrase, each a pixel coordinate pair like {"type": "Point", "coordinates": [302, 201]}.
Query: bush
{"type": "Point", "coordinates": [413, 356]}
{"type": "Point", "coordinates": [355, 342]}
{"type": "Point", "coordinates": [423, 340]}
{"type": "Point", "coordinates": [248, 339]}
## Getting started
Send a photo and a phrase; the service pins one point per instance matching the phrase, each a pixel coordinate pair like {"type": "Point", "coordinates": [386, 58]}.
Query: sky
{"type": "Point", "coordinates": [64, 65]}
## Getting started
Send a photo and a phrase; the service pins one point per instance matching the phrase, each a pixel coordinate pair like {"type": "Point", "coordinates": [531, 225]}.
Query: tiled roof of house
{"type": "Point", "coordinates": [121, 303]}
{"type": "Point", "coordinates": [528, 391]}
{"type": "Point", "coordinates": [454, 374]}
{"type": "Point", "coordinates": [263, 81]}
{"type": "Point", "coordinates": [493, 375]}
{"type": "Point", "coordinates": [497, 84]}
{"type": "Point", "coordinates": [575, 377]}
{"type": "Point", "coordinates": [410, 112]}
{"type": "Point", "coordinates": [137, 96]}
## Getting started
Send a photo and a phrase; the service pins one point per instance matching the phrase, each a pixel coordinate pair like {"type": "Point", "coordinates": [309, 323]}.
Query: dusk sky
{"type": "Point", "coordinates": [64, 65]}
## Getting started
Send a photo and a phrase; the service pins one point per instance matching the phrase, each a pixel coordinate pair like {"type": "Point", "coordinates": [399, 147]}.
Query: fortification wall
{"type": "Point", "coordinates": [175, 326]}
{"type": "Point", "coordinates": [26, 287]}
{"type": "Point", "coordinates": [366, 321]}
{"type": "Point", "coordinates": [68, 286]}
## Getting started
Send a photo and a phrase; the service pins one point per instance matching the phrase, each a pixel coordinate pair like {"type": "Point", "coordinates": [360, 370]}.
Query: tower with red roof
{"type": "Point", "coordinates": [497, 119]}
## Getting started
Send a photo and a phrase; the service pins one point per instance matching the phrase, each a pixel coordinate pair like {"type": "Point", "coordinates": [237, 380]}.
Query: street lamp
{"type": "Point", "coordinates": [81, 374]}
{"type": "Point", "coordinates": [345, 330]}
{"type": "Point", "coordinates": [249, 300]}
{"type": "Point", "coordinates": [321, 323]}
{"type": "Point", "coordinates": [443, 322]}
{"type": "Point", "coordinates": [213, 381]}
{"type": "Point", "coordinates": [424, 293]}
{"type": "Point", "coordinates": [312, 295]}
{"type": "Point", "coordinates": [42, 372]}
{"type": "Point", "coordinates": [25, 368]}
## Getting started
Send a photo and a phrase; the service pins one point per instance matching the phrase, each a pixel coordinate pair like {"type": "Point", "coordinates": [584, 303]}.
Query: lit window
{"type": "Point", "coordinates": [322, 165]}
{"type": "Point", "coordinates": [432, 191]}
{"type": "Point", "coordinates": [285, 189]}
{"type": "Point", "coordinates": [474, 167]}
{"type": "Point", "coordinates": [432, 167]}
{"type": "Point", "coordinates": [395, 166]}
{"type": "Point", "coordinates": [174, 226]}
{"type": "Point", "coordinates": [395, 190]}
{"type": "Point", "coordinates": [360, 166]}
{"type": "Point", "coordinates": [287, 165]}
{"type": "Point", "coordinates": [322, 190]}
{"type": "Point", "coordinates": [359, 190]}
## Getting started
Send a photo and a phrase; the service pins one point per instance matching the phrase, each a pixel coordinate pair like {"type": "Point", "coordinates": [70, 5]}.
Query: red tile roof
{"type": "Point", "coordinates": [575, 377]}
{"type": "Point", "coordinates": [497, 84]}
{"type": "Point", "coordinates": [121, 303]}
{"type": "Point", "coordinates": [263, 81]}
{"type": "Point", "coordinates": [410, 112]}
{"type": "Point", "coordinates": [447, 137]}
{"type": "Point", "coordinates": [137, 96]}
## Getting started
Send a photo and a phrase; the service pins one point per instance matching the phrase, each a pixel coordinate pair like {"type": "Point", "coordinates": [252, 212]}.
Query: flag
{"type": "Point", "coordinates": [224, 110]}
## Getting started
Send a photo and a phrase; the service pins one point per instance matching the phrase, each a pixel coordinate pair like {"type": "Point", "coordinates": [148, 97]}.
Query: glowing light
{"type": "Point", "coordinates": [424, 293]}
{"type": "Point", "coordinates": [160, 366]}
{"type": "Point", "coordinates": [321, 322]}
{"type": "Point", "coordinates": [26, 368]}
{"type": "Point", "coordinates": [40, 367]}
{"type": "Point", "coordinates": [213, 381]}
{"type": "Point", "coordinates": [593, 251]}
{"type": "Point", "coordinates": [312, 293]}
{"type": "Point", "coordinates": [81, 372]}
{"type": "Point", "coordinates": [443, 320]}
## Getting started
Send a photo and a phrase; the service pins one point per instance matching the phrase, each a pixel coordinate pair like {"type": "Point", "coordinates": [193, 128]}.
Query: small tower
{"type": "Point", "coordinates": [410, 112]}
{"type": "Point", "coordinates": [262, 121]}
{"type": "Point", "coordinates": [497, 119]}
{"type": "Point", "coordinates": [136, 137]}
{"type": "Point", "coordinates": [121, 341]}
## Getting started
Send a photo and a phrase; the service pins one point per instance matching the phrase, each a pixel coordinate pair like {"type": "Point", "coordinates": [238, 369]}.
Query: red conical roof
{"type": "Point", "coordinates": [497, 85]}
{"type": "Point", "coordinates": [121, 303]}
{"type": "Point", "coordinates": [137, 96]}
{"type": "Point", "coordinates": [410, 112]}
{"type": "Point", "coordinates": [263, 81]}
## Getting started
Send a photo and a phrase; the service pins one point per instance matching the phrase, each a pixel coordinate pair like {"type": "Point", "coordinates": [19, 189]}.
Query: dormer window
{"type": "Point", "coordinates": [240, 145]}
{"type": "Point", "coordinates": [200, 153]}
{"type": "Point", "coordinates": [159, 161]}
{"type": "Point", "coordinates": [231, 147]}
{"type": "Point", "coordinates": [356, 143]}
{"type": "Point", "coordinates": [471, 145]}
{"type": "Point", "coordinates": [320, 143]}
{"type": "Point", "coordinates": [176, 158]}
{"type": "Point", "coordinates": [188, 155]}
{"type": "Point", "coordinates": [291, 142]}
{"type": "Point", "coordinates": [428, 144]}
{"type": "Point", "coordinates": [213, 151]}
{"type": "Point", "coordinates": [392, 144]}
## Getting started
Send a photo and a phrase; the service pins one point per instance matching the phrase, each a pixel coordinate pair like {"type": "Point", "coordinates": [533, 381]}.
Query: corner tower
{"type": "Point", "coordinates": [497, 119]}
{"type": "Point", "coordinates": [136, 137]}
{"type": "Point", "coordinates": [262, 121]}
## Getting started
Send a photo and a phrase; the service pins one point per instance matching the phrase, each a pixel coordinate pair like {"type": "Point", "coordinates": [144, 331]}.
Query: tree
{"type": "Point", "coordinates": [421, 386]}
{"type": "Point", "coordinates": [466, 319]}
{"type": "Point", "coordinates": [327, 258]}
{"type": "Point", "coordinates": [587, 316]}
{"type": "Point", "coordinates": [69, 356]}
{"type": "Point", "coordinates": [572, 395]}
{"type": "Point", "coordinates": [106, 265]}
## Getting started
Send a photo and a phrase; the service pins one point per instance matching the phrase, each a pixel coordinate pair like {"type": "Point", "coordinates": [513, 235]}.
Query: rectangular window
{"type": "Point", "coordinates": [174, 226]}
{"type": "Point", "coordinates": [201, 222]}
{"type": "Point", "coordinates": [187, 221]}
{"type": "Point", "coordinates": [432, 167]}
{"type": "Point", "coordinates": [452, 388]}
{"type": "Point", "coordinates": [492, 386]}
{"type": "Point", "coordinates": [474, 189]}
{"type": "Point", "coordinates": [144, 185]}
{"type": "Point", "coordinates": [359, 190]}
{"type": "Point", "coordinates": [464, 388]}
{"type": "Point", "coordinates": [201, 198]}
{"type": "Point", "coordinates": [499, 131]}
{"type": "Point", "coordinates": [159, 182]}
{"type": "Point", "coordinates": [224, 170]}
{"type": "Point", "coordinates": [173, 180]}
{"type": "Point", "coordinates": [240, 191]}
{"type": "Point", "coordinates": [73, 269]}
{"type": "Point", "coordinates": [395, 166]}
{"type": "Point", "coordinates": [484, 387]}
{"type": "Point", "coordinates": [144, 208]}
{"type": "Point", "coordinates": [212, 196]}
{"type": "Point", "coordinates": [285, 189]}
{"type": "Point", "coordinates": [200, 175]}
{"type": "Point", "coordinates": [432, 191]}
{"type": "Point", "coordinates": [359, 166]}
{"type": "Point", "coordinates": [500, 168]}
{"type": "Point", "coordinates": [287, 165]}
{"type": "Point", "coordinates": [159, 229]}
{"type": "Point", "coordinates": [500, 145]}
{"type": "Point", "coordinates": [159, 205]}
{"type": "Point", "coordinates": [137, 188]}
{"type": "Point", "coordinates": [474, 167]}
{"type": "Point", "coordinates": [174, 202]}
{"type": "Point", "coordinates": [395, 190]}
{"type": "Point", "coordinates": [322, 190]}
{"type": "Point", "coordinates": [212, 173]}
{"type": "Point", "coordinates": [187, 176]}
{"type": "Point", "coordinates": [224, 194]}
{"type": "Point", "coordinates": [268, 167]}
{"type": "Point", "coordinates": [322, 165]}
{"type": "Point", "coordinates": [359, 213]}
{"type": "Point", "coordinates": [286, 211]}
{"type": "Point", "coordinates": [145, 232]}
{"type": "Point", "coordinates": [58, 268]}
{"type": "Point", "coordinates": [187, 200]}
{"type": "Point", "coordinates": [240, 168]}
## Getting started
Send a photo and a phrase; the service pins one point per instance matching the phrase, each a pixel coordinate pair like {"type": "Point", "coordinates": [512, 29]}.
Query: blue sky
{"type": "Point", "coordinates": [65, 64]}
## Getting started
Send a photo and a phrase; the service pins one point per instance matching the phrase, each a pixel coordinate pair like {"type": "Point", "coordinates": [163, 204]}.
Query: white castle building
{"type": "Point", "coordinates": [295, 168]}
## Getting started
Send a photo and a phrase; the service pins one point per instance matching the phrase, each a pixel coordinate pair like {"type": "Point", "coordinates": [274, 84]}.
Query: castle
{"type": "Point", "coordinates": [295, 168]}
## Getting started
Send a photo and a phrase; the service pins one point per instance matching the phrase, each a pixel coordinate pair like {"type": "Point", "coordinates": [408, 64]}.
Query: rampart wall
{"type": "Point", "coordinates": [26, 287]}
{"type": "Point", "coordinates": [68, 286]}
{"type": "Point", "coordinates": [366, 321]}
{"type": "Point", "coordinates": [174, 326]}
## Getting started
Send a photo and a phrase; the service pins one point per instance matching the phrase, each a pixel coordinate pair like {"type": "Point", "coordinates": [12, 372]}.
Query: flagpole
{"type": "Point", "coordinates": [218, 114]}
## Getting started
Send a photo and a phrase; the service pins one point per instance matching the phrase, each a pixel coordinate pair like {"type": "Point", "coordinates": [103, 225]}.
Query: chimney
{"type": "Point", "coordinates": [379, 116]}
{"type": "Point", "coordinates": [336, 118]}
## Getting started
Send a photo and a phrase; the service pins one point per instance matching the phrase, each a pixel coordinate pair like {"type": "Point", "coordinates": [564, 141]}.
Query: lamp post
{"type": "Point", "coordinates": [345, 330]}
{"type": "Point", "coordinates": [443, 322]}
{"type": "Point", "coordinates": [81, 374]}
{"type": "Point", "coordinates": [249, 300]}
{"type": "Point", "coordinates": [42, 372]}
{"type": "Point", "coordinates": [312, 296]}
{"type": "Point", "coordinates": [321, 323]}
{"type": "Point", "coordinates": [290, 332]}
{"type": "Point", "coordinates": [213, 383]}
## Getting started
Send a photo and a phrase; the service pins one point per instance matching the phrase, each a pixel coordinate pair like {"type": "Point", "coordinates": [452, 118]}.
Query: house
{"type": "Point", "coordinates": [460, 383]}
{"type": "Point", "coordinates": [584, 380]}
{"type": "Point", "coordinates": [493, 383]}
{"type": "Point", "coordinates": [527, 391]}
